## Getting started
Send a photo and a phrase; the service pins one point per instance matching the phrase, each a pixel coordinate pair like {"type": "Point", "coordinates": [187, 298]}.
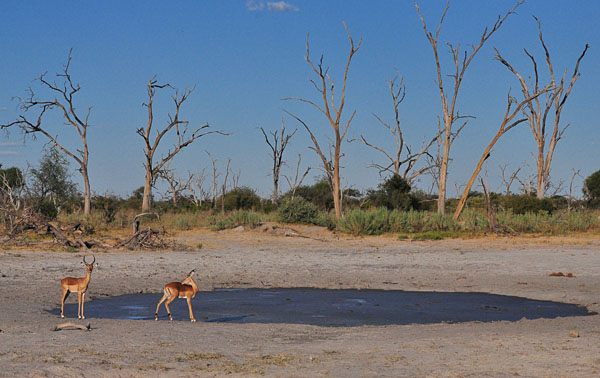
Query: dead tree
{"type": "Point", "coordinates": [198, 192]}
{"type": "Point", "coordinates": [505, 126]}
{"type": "Point", "coordinates": [277, 145]}
{"type": "Point", "coordinates": [224, 186]}
{"type": "Point", "coordinates": [177, 185]}
{"type": "Point", "coordinates": [527, 183]}
{"type": "Point", "coordinates": [296, 183]}
{"type": "Point", "coordinates": [325, 87]}
{"type": "Point", "coordinates": [462, 60]}
{"type": "Point", "coordinates": [396, 160]}
{"type": "Point", "coordinates": [174, 123]}
{"type": "Point", "coordinates": [508, 181]}
{"type": "Point", "coordinates": [215, 176]}
{"type": "Point", "coordinates": [489, 209]}
{"type": "Point", "coordinates": [13, 205]}
{"type": "Point", "coordinates": [544, 114]}
{"type": "Point", "coordinates": [576, 173]}
{"type": "Point", "coordinates": [60, 98]}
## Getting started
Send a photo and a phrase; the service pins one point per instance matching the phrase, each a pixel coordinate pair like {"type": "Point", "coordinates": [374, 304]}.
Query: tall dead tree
{"type": "Point", "coordinates": [396, 159]}
{"type": "Point", "coordinates": [449, 94]}
{"type": "Point", "coordinates": [277, 143]}
{"type": "Point", "coordinates": [325, 87]}
{"type": "Point", "coordinates": [151, 144]}
{"type": "Point", "coordinates": [505, 126]}
{"type": "Point", "coordinates": [544, 114]}
{"type": "Point", "coordinates": [61, 98]}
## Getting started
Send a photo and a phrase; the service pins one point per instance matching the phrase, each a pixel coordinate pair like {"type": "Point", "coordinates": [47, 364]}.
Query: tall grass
{"type": "Point", "coordinates": [359, 222]}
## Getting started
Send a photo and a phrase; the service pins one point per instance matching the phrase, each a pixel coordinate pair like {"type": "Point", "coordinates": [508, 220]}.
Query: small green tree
{"type": "Point", "coordinates": [51, 181]}
{"type": "Point", "coordinates": [319, 194]}
{"type": "Point", "coordinates": [592, 188]}
{"type": "Point", "coordinates": [394, 194]}
{"type": "Point", "coordinates": [11, 177]}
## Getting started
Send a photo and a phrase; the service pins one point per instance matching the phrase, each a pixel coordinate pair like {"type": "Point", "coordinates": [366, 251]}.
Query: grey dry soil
{"type": "Point", "coordinates": [570, 347]}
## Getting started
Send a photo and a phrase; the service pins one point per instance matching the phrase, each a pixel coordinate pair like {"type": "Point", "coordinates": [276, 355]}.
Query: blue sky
{"type": "Point", "coordinates": [245, 57]}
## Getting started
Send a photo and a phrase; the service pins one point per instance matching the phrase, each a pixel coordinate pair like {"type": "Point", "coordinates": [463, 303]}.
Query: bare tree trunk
{"type": "Point", "coordinates": [151, 145]}
{"type": "Point", "coordinates": [333, 113]}
{"type": "Point", "coordinates": [86, 195]}
{"type": "Point", "coordinates": [295, 184]}
{"type": "Point", "coordinates": [147, 198]}
{"type": "Point", "coordinates": [538, 113]}
{"type": "Point", "coordinates": [450, 112]}
{"type": "Point", "coordinates": [504, 128]}
{"type": "Point", "coordinates": [277, 149]}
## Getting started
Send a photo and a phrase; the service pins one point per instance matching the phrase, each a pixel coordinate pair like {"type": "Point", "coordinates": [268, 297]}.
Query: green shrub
{"type": "Point", "coordinates": [297, 210]}
{"type": "Point", "coordinates": [242, 198]}
{"type": "Point", "coordinates": [319, 194]}
{"type": "Point", "coordinates": [522, 204]}
{"type": "Point", "coordinates": [47, 209]}
{"type": "Point", "coordinates": [393, 193]}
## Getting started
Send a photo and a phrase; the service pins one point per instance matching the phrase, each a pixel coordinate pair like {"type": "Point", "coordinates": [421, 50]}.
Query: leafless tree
{"type": "Point", "coordinates": [505, 126]}
{"type": "Point", "coordinates": [527, 183]}
{"type": "Point", "coordinates": [12, 201]}
{"type": "Point", "coordinates": [215, 176]}
{"type": "Point", "coordinates": [462, 60]}
{"type": "Point", "coordinates": [61, 98]}
{"type": "Point", "coordinates": [224, 186]}
{"type": "Point", "coordinates": [177, 185]}
{"type": "Point", "coordinates": [296, 183]}
{"type": "Point", "coordinates": [235, 178]}
{"type": "Point", "coordinates": [325, 87]}
{"type": "Point", "coordinates": [489, 209]}
{"type": "Point", "coordinates": [395, 158]}
{"type": "Point", "coordinates": [198, 191]}
{"type": "Point", "coordinates": [576, 173]}
{"type": "Point", "coordinates": [544, 114]}
{"type": "Point", "coordinates": [277, 143]}
{"type": "Point", "coordinates": [508, 181]}
{"type": "Point", "coordinates": [174, 123]}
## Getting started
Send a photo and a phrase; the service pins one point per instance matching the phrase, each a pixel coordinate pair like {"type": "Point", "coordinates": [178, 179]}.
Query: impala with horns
{"type": "Point", "coordinates": [78, 285]}
{"type": "Point", "coordinates": [187, 288]}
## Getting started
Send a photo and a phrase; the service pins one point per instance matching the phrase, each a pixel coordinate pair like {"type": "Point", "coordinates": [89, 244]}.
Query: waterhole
{"type": "Point", "coordinates": [323, 307]}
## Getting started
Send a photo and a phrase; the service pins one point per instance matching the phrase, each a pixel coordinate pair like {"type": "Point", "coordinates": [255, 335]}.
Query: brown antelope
{"type": "Point", "coordinates": [187, 288]}
{"type": "Point", "coordinates": [79, 285]}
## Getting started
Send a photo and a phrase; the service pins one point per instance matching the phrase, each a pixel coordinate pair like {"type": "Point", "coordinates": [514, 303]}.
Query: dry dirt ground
{"type": "Point", "coordinates": [569, 347]}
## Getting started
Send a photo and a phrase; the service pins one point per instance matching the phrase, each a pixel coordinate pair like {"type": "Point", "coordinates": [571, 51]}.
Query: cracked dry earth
{"type": "Point", "coordinates": [556, 347]}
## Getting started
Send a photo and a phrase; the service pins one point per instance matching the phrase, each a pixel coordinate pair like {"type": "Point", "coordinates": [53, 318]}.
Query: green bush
{"type": "Point", "coordinates": [319, 194]}
{"type": "Point", "coordinates": [393, 193]}
{"type": "Point", "coordinates": [522, 204]}
{"type": "Point", "coordinates": [297, 210]}
{"type": "Point", "coordinates": [592, 189]}
{"type": "Point", "coordinates": [47, 209]}
{"type": "Point", "coordinates": [107, 205]}
{"type": "Point", "coordinates": [242, 198]}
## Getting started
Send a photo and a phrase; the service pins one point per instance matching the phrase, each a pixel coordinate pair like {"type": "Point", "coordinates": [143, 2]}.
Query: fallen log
{"type": "Point", "coordinates": [72, 325]}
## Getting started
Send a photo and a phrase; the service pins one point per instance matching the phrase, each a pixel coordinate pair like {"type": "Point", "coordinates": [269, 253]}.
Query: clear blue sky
{"type": "Point", "coordinates": [244, 57]}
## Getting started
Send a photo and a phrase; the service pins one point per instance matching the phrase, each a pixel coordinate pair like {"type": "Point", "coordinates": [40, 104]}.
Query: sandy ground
{"type": "Point", "coordinates": [29, 289]}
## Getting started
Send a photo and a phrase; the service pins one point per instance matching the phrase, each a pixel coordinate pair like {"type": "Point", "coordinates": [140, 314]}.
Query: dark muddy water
{"type": "Point", "coordinates": [322, 307]}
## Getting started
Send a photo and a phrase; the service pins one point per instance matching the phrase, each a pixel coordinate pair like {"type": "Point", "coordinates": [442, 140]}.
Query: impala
{"type": "Point", "coordinates": [187, 288]}
{"type": "Point", "coordinates": [78, 285]}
